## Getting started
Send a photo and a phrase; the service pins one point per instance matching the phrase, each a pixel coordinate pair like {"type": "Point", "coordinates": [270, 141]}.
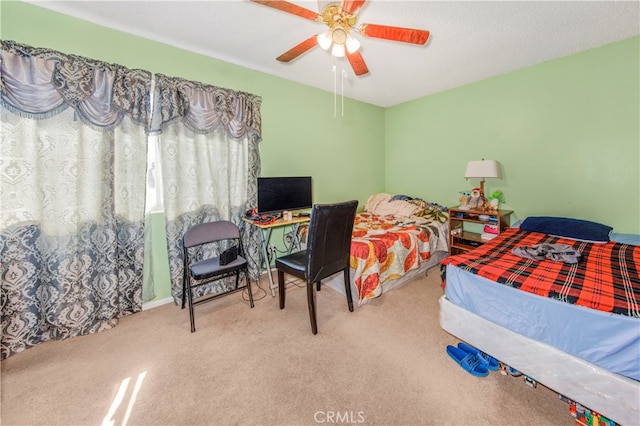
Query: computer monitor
{"type": "Point", "coordinates": [277, 194]}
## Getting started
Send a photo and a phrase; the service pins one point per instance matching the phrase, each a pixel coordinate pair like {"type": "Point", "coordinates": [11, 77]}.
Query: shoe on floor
{"type": "Point", "coordinates": [513, 372]}
{"type": "Point", "coordinates": [468, 361]}
{"type": "Point", "coordinates": [491, 362]}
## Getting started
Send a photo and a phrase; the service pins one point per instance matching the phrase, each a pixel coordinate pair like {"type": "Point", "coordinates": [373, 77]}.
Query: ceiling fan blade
{"type": "Point", "coordinates": [352, 6]}
{"type": "Point", "coordinates": [405, 35]}
{"type": "Point", "coordinates": [294, 9]}
{"type": "Point", "coordinates": [298, 50]}
{"type": "Point", "coordinates": [357, 63]}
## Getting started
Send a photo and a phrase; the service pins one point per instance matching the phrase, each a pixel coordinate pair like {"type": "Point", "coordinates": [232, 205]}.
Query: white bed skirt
{"type": "Point", "coordinates": [612, 395]}
{"type": "Point", "coordinates": [336, 282]}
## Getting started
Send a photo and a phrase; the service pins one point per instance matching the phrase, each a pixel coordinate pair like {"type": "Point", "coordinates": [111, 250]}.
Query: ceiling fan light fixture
{"type": "Point", "coordinates": [324, 40]}
{"type": "Point", "coordinates": [339, 34]}
{"type": "Point", "coordinates": [352, 44]}
{"type": "Point", "coordinates": [338, 50]}
{"type": "Point", "coordinates": [340, 18]}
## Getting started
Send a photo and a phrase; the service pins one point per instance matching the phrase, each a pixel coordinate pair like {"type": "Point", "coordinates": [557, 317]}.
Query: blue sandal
{"type": "Point", "coordinates": [491, 363]}
{"type": "Point", "coordinates": [468, 361]}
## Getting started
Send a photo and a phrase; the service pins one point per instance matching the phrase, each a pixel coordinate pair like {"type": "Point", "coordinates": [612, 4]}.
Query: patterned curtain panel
{"type": "Point", "coordinates": [72, 171]}
{"type": "Point", "coordinates": [210, 164]}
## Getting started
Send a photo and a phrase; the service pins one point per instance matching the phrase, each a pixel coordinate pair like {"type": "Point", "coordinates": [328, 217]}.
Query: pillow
{"type": "Point", "coordinates": [375, 200]}
{"type": "Point", "coordinates": [631, 239]}
{"type": "Point", "coordinates": [385, 205]}
{"type": "Point", "coordinates": [576, 229]}
{"type": "Point", "coordinates": [396, 208]}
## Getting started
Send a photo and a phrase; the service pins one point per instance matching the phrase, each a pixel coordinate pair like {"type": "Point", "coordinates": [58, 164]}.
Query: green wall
{"type": "Point", "coordinates": [566, 131]}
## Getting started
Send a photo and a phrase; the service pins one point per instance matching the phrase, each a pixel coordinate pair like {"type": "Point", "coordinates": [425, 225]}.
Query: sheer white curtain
{"type": "Point", "coordinates": [72, 170]}
{"type": "Point", "coordinates": [210, 161]}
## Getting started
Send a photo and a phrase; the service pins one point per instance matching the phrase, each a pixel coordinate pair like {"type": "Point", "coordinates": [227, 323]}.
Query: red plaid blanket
{"type": "Point", "coordinates": [607, 278]}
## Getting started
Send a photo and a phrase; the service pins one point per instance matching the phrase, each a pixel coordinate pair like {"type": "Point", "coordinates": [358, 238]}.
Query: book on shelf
{"type": "Point", "coordinates": [486, 236]}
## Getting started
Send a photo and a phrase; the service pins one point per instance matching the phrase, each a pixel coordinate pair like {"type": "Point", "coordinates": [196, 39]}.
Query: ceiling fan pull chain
{"type": "Point", "coordinates": [342, 88]}
{"type": "Point", "coordinates": [335, 107]}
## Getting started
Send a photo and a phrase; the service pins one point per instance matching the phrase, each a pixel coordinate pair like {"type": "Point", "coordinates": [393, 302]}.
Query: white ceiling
{"type": "Point", "coordinates": [470, 41]}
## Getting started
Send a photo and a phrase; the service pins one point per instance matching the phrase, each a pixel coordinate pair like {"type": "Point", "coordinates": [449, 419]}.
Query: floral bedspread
{"type": "Point", "coordinates": [387, 247]}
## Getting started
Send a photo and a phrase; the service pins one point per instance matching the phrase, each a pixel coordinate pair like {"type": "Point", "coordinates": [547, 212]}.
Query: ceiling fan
{"type": "Point", "coordinates": [340, 18]}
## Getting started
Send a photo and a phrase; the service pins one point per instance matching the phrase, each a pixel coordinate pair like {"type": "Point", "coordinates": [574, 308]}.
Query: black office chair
{"type": "Point", "coordinates": [229, 262]}
{"type": "Point", "coordinates": [328, 249]}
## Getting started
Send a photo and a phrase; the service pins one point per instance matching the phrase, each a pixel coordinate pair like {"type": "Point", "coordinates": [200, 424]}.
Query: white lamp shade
{"type": "Point", "coordinates": [352, 44]}
{"type": "Point", "coordinates": [337, 50]}
{"type": "Point", "coordinates": [324, 40]}
{"type": "Point", "coordinates": [483, 169]}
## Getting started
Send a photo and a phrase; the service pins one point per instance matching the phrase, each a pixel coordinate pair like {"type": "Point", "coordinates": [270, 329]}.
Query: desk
{"type": "Point", "coordinates": [265, 236]}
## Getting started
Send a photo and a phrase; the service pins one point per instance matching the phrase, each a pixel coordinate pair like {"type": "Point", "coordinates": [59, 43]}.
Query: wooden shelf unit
{"type": "Point", "coordinates": [462, 240]}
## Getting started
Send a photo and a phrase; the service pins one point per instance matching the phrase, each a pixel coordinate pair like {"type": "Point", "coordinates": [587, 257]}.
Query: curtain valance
{"type": "Point", "coordinates": [39, 83]}
{"type": "Point", "coordinates": [204, 108]}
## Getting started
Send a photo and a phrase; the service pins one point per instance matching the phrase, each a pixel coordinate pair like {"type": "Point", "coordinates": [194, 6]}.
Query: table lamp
{"type": "Point", "coordinates": [482, 169]}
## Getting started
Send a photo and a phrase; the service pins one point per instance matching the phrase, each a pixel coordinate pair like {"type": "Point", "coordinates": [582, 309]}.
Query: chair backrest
{"type": "Point", "coordinates": [329, 241]}
{"type": "Point", "coordinates": [210, 232]}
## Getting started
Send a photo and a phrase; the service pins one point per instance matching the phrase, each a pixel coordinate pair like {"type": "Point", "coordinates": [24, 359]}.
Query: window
{"type": "Point", "coordinates": [154, 199]}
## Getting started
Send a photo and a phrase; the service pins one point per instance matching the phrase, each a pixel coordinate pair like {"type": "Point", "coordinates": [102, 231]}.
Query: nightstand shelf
{"type": "Point", "coordinates": [461, 239]}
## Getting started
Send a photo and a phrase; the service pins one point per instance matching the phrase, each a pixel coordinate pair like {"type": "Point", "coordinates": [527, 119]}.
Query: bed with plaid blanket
{"type": "Point", "coordinates": [607, 277]}
{"type": "Point", "coordinates": [574, 327]}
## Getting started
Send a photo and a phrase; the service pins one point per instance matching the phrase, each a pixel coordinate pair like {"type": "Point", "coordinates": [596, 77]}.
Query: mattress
{"type": "Point", "coordinates": [610, 341]}
{"type": "Point", "coordinates": [610, 394]}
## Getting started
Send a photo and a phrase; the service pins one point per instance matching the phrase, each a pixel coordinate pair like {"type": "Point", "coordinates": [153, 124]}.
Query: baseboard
{"type": "Point", "coordinates": [156, 303]}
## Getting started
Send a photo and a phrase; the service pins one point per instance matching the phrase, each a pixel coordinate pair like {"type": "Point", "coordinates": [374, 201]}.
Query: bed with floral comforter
{"type": "Point", "coordinates": [394, 238]}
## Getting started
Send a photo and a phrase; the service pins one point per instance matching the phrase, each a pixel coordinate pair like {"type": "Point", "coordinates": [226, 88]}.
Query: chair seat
{"type": "Point", "coordinates": [294, 264]}
{"type": "Point", "coordinates": [209, 267]}
{"type": "Point", "coordinates": [222, 234]}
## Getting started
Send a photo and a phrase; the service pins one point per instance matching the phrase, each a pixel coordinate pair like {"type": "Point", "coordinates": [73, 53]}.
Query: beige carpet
{"type": "Point", "coordinates": [383, 364]}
